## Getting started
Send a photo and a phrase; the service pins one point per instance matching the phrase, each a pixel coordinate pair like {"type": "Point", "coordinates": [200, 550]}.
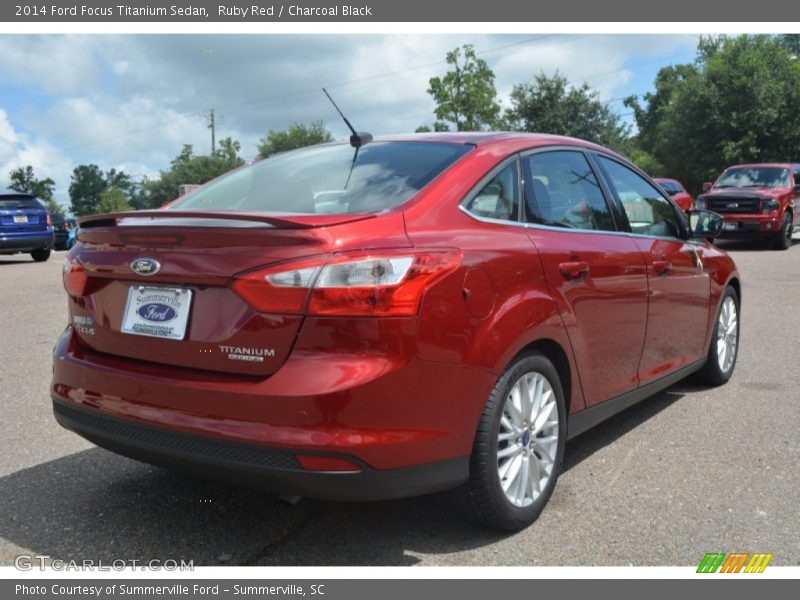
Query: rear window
{"type": "Point", "coordinates": [19, 202]}
{"type": "Point", "coordinates": [672, 187]}
{"type": "Point", "coordinates": [329, 179]}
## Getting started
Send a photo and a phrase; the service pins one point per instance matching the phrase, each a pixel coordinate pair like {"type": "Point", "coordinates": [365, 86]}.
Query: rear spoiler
{"type": "Point", "coordinates": [218, 218]}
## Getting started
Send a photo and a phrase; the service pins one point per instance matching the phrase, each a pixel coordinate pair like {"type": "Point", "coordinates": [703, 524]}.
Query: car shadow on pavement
{"type": "Point", "coordinates": [97, 505]}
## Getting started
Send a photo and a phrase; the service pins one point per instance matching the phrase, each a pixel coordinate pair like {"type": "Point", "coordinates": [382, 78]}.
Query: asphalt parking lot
{"type": "Point", "coordinates": [689, 471]}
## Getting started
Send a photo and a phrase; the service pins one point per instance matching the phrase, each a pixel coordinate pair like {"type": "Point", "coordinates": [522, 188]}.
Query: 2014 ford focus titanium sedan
{"type": "Point", "coordinates": [392, 318]}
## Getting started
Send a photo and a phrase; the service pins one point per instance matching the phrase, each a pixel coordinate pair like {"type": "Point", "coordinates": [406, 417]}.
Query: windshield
{"type": "Point", "coordinates": [754, 177]}
{"type": "Point", "coordinates": [334, 179]}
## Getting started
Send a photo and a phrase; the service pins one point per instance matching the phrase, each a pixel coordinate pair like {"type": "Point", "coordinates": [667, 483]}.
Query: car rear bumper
{"type": "Point", "coordinates": [272, 469]}
{"type": "Point", "coordinates": [380, 415]}
{"type": "Point", "coordinates": [25, 242]}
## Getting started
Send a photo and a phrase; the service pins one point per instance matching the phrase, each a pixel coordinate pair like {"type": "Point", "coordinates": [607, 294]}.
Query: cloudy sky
{"type": "Point", "coordinates": [132, 101]}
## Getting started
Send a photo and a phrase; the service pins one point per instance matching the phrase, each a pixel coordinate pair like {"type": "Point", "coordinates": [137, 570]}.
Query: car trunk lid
{"type": "Point", "coordinates": [194, 256]}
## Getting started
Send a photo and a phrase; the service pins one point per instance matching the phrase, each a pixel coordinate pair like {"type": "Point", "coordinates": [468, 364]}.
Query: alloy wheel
{"type": "Point", "coordinates": [727, 334]}
{"type": "Point", "coordinates": [527, 441]}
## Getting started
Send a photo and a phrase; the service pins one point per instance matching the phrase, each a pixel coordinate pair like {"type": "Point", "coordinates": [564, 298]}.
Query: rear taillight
{"type": "Point", "coordinates": [75, 277]}
{"type": "Point", "coordinates": [379, 284]}
{"type": "Point", "coordinates": [49, 219]}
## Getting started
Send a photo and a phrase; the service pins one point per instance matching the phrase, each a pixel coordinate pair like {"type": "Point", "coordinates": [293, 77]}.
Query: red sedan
{"type": "Point", "coordinates": [397, 317]}
{"type": "Point", "coordinates": [677, 192]}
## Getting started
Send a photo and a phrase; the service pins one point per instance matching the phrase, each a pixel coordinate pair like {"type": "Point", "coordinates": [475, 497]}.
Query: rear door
{"type": "Point", "coordinates": [679, 286]}
{"type": "Point", "coordinates": [596, 274]}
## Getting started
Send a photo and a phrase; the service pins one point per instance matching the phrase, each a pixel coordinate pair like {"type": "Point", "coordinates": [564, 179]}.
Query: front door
{"type": "Point", "coordinates": [678, 284]}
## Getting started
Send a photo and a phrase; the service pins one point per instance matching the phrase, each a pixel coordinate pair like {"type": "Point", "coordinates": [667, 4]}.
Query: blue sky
{"type": "Point", "coordinates": [132, 101]}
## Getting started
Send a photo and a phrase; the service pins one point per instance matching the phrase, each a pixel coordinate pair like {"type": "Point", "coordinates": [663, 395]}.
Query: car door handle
{"type": "Point", "coordinates": [574, 269]}
{"type": "Point", "coordinates": [662, 267]}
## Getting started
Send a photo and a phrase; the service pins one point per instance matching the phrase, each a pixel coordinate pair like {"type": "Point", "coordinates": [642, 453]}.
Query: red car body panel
{"type": "Point", "coordinates": [388, 393]}
{"type": "Point", "coordinates": [683, 198]}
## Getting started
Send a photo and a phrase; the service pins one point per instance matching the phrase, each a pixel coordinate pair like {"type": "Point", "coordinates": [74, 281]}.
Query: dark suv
{"type": "Point", "coordinates": [756, 201]}
{"type": "Point", "coordinates": [25, 226]}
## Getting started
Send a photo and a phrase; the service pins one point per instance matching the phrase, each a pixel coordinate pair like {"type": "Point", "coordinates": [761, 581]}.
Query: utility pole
{"type": "Point", "coordinates": [213, 127]}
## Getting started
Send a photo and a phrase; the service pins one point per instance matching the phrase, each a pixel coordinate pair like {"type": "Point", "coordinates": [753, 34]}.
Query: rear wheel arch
{"type": "Point", "coordinates": [737, 287]}
{"type": "Point", "coordinates": [553, 351]}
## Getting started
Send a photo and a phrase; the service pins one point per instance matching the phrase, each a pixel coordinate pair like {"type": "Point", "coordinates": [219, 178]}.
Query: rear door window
{"type": "Point", "coordinates": [561, 190]}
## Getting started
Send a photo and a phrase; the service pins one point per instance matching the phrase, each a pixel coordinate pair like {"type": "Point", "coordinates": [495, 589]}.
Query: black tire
{"type": "Point", "coordinates": [712, 373]}
{"type": "Point", "coordinates": [482, 498]}
{"type": "Point", "coordinates": [783, 239]}
{"type": "Point", "coordinates": [40, 254]}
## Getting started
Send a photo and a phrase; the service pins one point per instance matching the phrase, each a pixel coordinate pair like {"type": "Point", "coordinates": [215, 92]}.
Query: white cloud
{"type": "Point", "coordinates": [133, 101]}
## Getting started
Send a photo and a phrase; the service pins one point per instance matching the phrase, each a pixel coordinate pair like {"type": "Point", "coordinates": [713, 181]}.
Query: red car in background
{"type": "Point", "coordinates": [392, 318]}
{"type": "Point", "coordinates": [677, 192]}
{"type": "Point", "coordinates": [756, 201]}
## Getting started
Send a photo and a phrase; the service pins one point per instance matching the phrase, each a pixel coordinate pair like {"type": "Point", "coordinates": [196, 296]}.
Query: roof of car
{"type": "Point", "coordinates": [787, 165]}
{"type": "Point", "coordinates": [15, 193]}
{"type": "Point", "coordinates": [511, 140]}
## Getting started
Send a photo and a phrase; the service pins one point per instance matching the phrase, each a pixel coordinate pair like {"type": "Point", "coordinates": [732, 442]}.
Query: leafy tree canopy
{"type": "Point", "coordinates": [189, 168]}
{"type": "Point", "coordinates": [23, 180]}
{"type": "Point", "coordinates": [298, 135]}
{"type": "Point", "coordinates": [465, 97]}
{"type": "Point", "coordinates": [549, 104]}
{"type": "Point", "coordinates": [737, 103]}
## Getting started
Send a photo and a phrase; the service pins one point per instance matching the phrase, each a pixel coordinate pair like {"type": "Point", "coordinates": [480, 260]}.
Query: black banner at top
{"type": "Point", "coordinates": [177, 11]}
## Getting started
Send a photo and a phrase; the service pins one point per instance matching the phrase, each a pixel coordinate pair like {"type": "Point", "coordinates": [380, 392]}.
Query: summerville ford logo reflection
{"type": "Point", "coordinates": [156, 312]}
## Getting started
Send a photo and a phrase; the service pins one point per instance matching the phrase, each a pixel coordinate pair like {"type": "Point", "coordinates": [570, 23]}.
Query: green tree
{"type": "Point", "coordinates": [737, 103]}
{"type": "Point", "coordinates": [298, 135]}
{"type": "Point", "coordinates": [437, 126]}
{"type": "Point", "coordinates": [792, 43]}
{"type": "Point", "coordinates": [23, 180]}
{"type": "Point", "coordinates": [112, 200]}
{"type": "Point", "coordinates": [87, 185]}
{"type": "Point", "coordinates": [549, 104]}
{"type": "Point", "coordinates": [465, 97]}
{"type": "Point", "coordinates": [188, 168]}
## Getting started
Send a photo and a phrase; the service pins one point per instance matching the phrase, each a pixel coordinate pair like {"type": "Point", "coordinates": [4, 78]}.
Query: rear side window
{"type": "Point", "coordinates": [498, 199]}
{"type": "Point", "coordinates": [648, 212]}
{"type": "Point", "coordinates": [562, 191]}
{"type": "Point", "coordinates": [334, 179]}
{"type": "Point", "coordinates": [20, 202]}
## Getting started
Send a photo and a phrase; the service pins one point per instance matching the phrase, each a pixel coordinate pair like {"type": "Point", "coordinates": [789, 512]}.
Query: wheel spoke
{"type": "Point", "coordinates": [512, 472]}
{"type": "Point", "coordinates": [513, 412]}
{"type": "Point", "coordinates": [522, 483]}
{"type": "Point", "coordinates": [508, 435]}
{"type": "Point", "coordinates": [510, 450]}
{"type": "Point", "coordinates": [543, 417]}
{"type": "Point", "coordinates": [507, 425]}
{"type": "Point", "coordinates": [524, 397]}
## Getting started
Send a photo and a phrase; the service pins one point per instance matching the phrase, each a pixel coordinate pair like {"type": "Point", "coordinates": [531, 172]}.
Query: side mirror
{"type": "Point", "coordinates": [704, 224]}
{"type": "Point", "coordinates": [707, 186]}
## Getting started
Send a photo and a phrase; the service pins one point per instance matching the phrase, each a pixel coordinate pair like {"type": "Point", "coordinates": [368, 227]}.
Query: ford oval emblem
{"type": "Point", "coordinates": [156, 312]}
{"type": "Point", "coordinates": [145, 266]}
